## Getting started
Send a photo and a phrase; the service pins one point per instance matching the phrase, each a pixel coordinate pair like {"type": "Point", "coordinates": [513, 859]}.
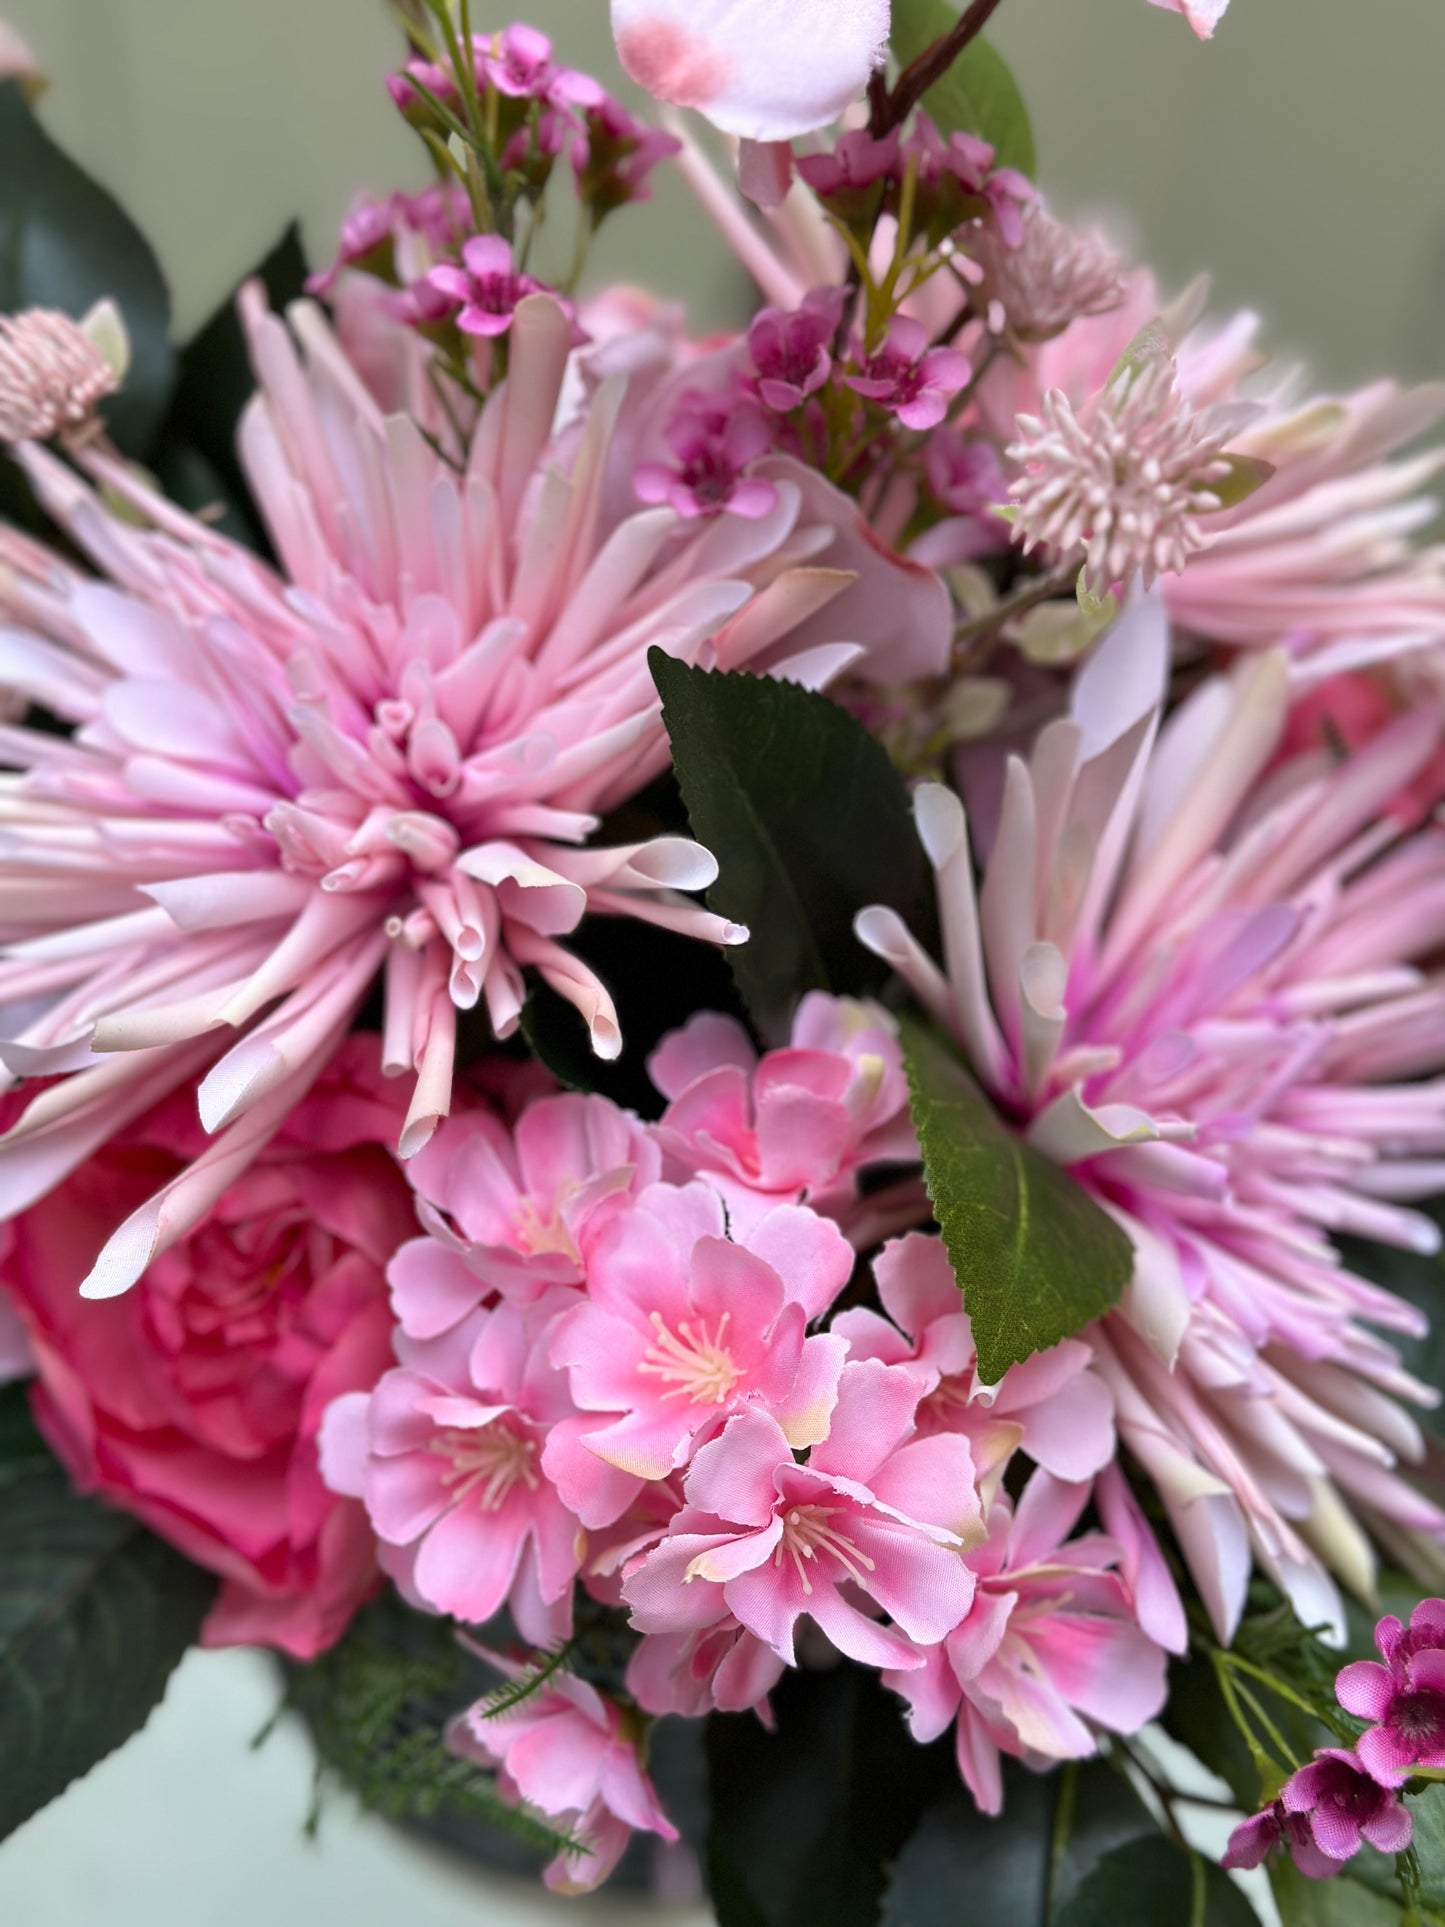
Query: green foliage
{"type": "Point", "coordinates": [1035, 1257]}
{"type": "Point", "coordinates": [531, 1679]}
{"type": "Point", "coordinates": [95, 1613]}
{"type": "Point", "coordinates": [978, 94]}
{"type": "Point", "coordinates": [1154, 1880]}
{"type": "Point", "coordinates": [377, 1704]}
{"type": "Point", "coordinates": [64, 243]}
{"type": "Point", "coordinates": [809, 822]}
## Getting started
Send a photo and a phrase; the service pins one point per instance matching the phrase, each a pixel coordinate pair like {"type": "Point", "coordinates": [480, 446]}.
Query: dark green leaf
{"type": "Point", "coordinates": [1341, 1902]}
{"type": "Point", "coordinates": [978, 94]}
{"type": "Point", "coordinates": [959, 1865]}
{"type": "Point", "coordinates": [809, 822]}
{"type": "Point", "coordinates": [1035, 1257]}
{"type": "Point", "coordinates": [94, 1615]}
{"type": "Point", "coordinates": [1150, 1882]}
{"type": "Point", "coordinates": [64, 243]}
{"type": "Point", "coordinates": [215, 384]}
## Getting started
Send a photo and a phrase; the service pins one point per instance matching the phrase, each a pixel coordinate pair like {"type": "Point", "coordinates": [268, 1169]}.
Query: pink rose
{"type": "Point", "coordinates": [194, 1400]}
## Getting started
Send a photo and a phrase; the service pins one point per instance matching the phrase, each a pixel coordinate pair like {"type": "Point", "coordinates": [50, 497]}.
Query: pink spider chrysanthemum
{"type": "Point", "coordinates": [1197, 980]}
{"type": "Point", "coordinates": [388, 759]}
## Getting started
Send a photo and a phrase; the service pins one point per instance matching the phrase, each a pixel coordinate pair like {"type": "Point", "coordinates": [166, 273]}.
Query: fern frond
{"type": "Point", "coordinates": [512, 1692]}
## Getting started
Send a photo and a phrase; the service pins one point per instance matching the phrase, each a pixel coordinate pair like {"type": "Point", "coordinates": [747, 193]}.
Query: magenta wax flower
{"type": "Point", "coordinates": [571, 1754]}
{"type": "Point", "coordinates": [487, 287]}
{"type": "Point", "coordinates": [856, 164]}
{"type": "Point", "coordinates": [715, 441]}
{"type": "Point", "coordinates": [615, 154]}
{"type": "Point", "coordinates": [1346, 1806]}
{"type": "Point", "coordinates": [790, 352]}
{"type": "Point", "coordinates": [1405, 1697]}
{"type": "Point", "coordinates": [877, 1514]}
{"type": "Point", "coordinates": [1264, 1833]}
{"type": "Point", "coordinates": [910, 379]}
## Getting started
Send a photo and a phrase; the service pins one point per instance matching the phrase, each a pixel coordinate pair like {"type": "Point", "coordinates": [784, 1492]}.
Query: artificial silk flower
{"type": "Point", "coordinates": [1203, 15]}
{"type": "Point", "coordinates": [762, 69]}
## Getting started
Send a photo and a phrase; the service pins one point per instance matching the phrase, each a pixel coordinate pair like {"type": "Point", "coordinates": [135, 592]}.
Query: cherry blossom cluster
{"type": "Point", "coordinates": [625, 1364]}
{"type": "Point", "coordinates": [1348, 1797]}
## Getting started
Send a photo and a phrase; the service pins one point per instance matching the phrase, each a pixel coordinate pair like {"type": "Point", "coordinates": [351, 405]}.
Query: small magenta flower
{"type": "Point", "coordinates": [1405, 1697]}
{"type": "Point", "coordinates": [614, 156]}
{"type": "Point", "coordinates": [487, 287]}
{"type": "Point", "coordinates": [910, 379]}
{"type": "Point", "coordinates": [856, 164]}
{"type": "Point", "coordinates": [1346, 1806]}
{"type": "Point", "coordinates": [715, 443]}
{"type": "Point", "coordinates": [1264, 1833]}
{"type": "Point", "coordinates": [790, 352]}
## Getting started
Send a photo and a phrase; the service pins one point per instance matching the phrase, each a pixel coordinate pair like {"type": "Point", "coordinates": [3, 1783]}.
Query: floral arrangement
{"type": "Point", "coordinates": [725, 1056]}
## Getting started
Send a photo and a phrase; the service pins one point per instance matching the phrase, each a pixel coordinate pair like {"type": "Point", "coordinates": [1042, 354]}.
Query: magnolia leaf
{"type": "Point", "coordinates": [1035, 1257]}
{"type": "Point", "coordinates": [978, 94]}
{"type": "Point", "coordinates": [95, 1613]}
{"type": "Point", "coordinates": [809, 822]}
{"type": "Point", "coordinates": [1150, 1881]}
{"type": "Point", "coordinates": [64, 243]}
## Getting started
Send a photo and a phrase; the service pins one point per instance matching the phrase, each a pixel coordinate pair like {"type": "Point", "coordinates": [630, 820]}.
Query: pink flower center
{"type": "Point", "coordinates": [807, 1536]}
{"type": "Point", "coordinates": [693, 1363]}
{"type": "Point", "coordinates": [541, 1234]}
{"type": "Point", "coordinates": [1419, 1718]}
{"type": "Point", "coordinates": [487, 1464]}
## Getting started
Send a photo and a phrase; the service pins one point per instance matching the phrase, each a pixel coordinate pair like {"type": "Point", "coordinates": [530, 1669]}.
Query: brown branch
{"type": "Point", "coordinates": [931, 65]}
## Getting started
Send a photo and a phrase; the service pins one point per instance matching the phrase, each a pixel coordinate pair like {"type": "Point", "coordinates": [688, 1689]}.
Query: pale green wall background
{"type": "Point", "coordinates": [1300, 155]}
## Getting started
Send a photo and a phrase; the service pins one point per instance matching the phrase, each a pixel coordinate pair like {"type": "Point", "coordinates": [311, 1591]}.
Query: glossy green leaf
{"type": "Point", "coordinates": [1341, 1902]}
{"type": "Point", "coordinates": [94, 1615]}
{"type": "Point", "coordinates": [64, 243]}
{"type": "Point", "coordinates": [1035, 1257]}
{"type": "Point", "coordinates": [1150, 1882]}
{"type": "Point", "coordinates": [978, 94]}
{"type": "Point", "coordinates": [809, 822]}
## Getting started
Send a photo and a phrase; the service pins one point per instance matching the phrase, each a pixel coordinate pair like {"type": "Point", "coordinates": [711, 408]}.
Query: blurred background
{"type": "Point", "coordinates": [1300, 157]}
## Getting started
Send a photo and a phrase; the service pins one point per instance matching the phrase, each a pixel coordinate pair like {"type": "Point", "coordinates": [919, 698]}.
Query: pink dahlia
{"type": "Point", "coordinates": [385, 761]}
{"type": "Point", "coordinates": [1199, 986]}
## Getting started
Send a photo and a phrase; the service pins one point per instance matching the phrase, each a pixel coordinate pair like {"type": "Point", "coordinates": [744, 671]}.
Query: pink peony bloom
{"type": "Point", "coordinates": [1346, 1807]}
{"type": "Point", "coordinates": [386, 761]}
{"type": "Point", "coordinates": [446, 1454]}
{"type": "Point", "coordinates": [913, 381]}
{"type": "Point", "coordinates": [762, 69]}
{"type": "Point", "coordinates": [513, 1211]}
{"type": "Point", "coordinates": [195, 1402]}
{"type": "Point", "coordinates": [876, 1514]}
{"type": "Point", "coordinates": [487, 288]}
{"type": "Point", "coordinates": [1052, 1406]}
{"type": "Point", "coordinates": [572, 1755]}
{"type": "Point", "coordinates": [1048, 1653]}
{"type": "Point", "coordinates": [1255, 1839]}
{"type": "Point", "coordinates": [680, 1329]}
{"type": "Point", "coordinates": [795, 1124]}
{"type": "Point", "coordinates": [1200, 989]}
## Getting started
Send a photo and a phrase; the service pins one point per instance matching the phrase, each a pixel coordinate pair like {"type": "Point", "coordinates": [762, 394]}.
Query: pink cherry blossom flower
{"type": "Point", "coordinates": [722, 1668]}
{"type": "Point", "coordinates": [446, 1455]}
{"type": "Point", "coordinates": [762, 69]}
{"type": "Point", "coordinates": [1346, 1806]}
{"type": "Point", "coordinates": [907, 377]}
{"type": "Point", "coordinates": [681, 1328]}
{"type": "Point", "coordinates": [572, 1755]}
{"type": "Point", "coordinates": [795, 1124]}
{"type": "Point", "coordinates": [1255, 1839]}
{"type": "Point", "coordinates": [876, 1512]}
{"type": "Point", "coordinates": [1052, 1406]}
{"type": "Point", "coordinates": [1047, 1654]}
{"type": "Point", "coordinates": [715, 443]}
{"type": "Point", "coordinates": [383, 761]}
{"type": "Point", "coordinates": [1203, 15]}
{"type": "Point", "coordinates": [1200, 988]}
{"type": "Point", "coordinates": [513, 1211]}
{"type": "Point", "coordinates": [487, 287]}
{"type": "Point", "coordinates": [52, 375]}
{"type": "Point", "coordinates": [790, 352]}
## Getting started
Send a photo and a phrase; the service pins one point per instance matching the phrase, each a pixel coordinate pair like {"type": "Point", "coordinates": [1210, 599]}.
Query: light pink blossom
{"type": "Point", "coordinates": [1199, 986]}
{"type": "Point", "coordinates": [572, 1755]}
{"type": "Point", "coordinates": [385, 761]}
{"type": "Point", "coordinates": [1052, 1406]}
{"type": "Point", "coordinates": [1203, 15]}
{"type": "Point", "coordinates": [446, 1455]}
{"type": "Point", "coordinates": [762, 69]}
{"type": "Point", "coordinates": [1053, 276]}
{"type": "Point", "coordinates": [681, 1328]}
{"type": "Point", "coordinates": [1047, 1654]}
{"type": "Point", "coordinates": [52, 375]}
{"type": "Point", "coordinates": [877, 1513]}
